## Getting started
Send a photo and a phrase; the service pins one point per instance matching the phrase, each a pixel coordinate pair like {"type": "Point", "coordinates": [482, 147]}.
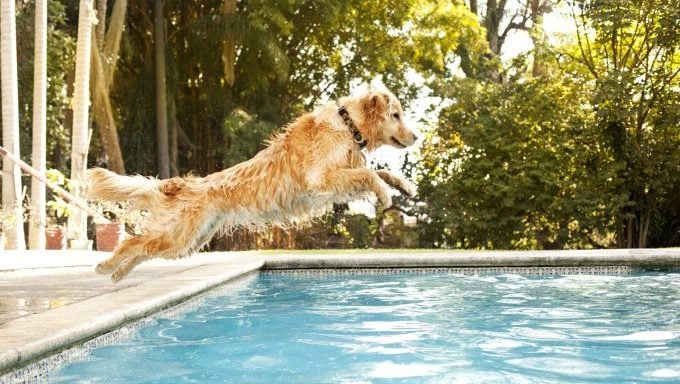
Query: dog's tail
{"type": "Point", "coordinates": [106, 185]}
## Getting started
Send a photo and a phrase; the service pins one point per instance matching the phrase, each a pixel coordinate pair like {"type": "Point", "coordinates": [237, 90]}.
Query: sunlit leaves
{"type": "Point", "coordinates": [512, 167]}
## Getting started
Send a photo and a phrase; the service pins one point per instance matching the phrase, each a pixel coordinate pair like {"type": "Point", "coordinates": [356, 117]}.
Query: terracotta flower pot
{"type": "Point", "coordinates": [108, 236]}
{"type": "Point", "coordinates": [55, 238]}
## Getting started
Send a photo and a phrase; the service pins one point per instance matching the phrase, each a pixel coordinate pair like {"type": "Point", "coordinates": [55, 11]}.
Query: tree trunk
{"type": "Point", "coordinates": [77, 221]}
{"type": "Point", "coordinates": [103, 115]}
{"type": "Point", "coordinates": [161, 98]}
{"type": "Point", "coordinates": [645, 220]}
{"type": "Point", "coordinates": [629, 232]}
{"type": "Point", "coordinates": [13, 223]}
{"type": "Point", "coordinates": [492, 22]}
{"type": "Point", "coordinates": [474, 6]}
{"type": "Point", "coordinates": [538, 37]}
{"type": "Point", "coordinates": [229, 48]}
{"type": "Point", "coordinates": [104, 61]}
{"type": "Point", "coordinates": [112, 40]}
{"type": "Point", "coordinates": [174, 149]}
{"type": "Point", "coordinates": [36, 229]}
{"type": "Point", "coordinates": [100, 31]}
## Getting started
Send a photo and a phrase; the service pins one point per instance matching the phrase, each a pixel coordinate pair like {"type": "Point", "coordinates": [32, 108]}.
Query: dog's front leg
{"type": "Point", "coordinates": [356, 180]}
{"type": "Point", "coordinates": [399, 183]}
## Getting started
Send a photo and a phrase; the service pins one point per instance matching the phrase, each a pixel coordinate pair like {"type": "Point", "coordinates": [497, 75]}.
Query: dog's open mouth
{"type": "Point", "coordinates": [397, 142]}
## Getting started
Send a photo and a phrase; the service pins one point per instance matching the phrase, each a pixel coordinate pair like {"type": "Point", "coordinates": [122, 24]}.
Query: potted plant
{"type": "Point", "coordinates": [55, 229]}
{"type": "Point", "coordinates": [109, 233]}
{"type": "Point", "coordinates": [58, 211]}
{"type": "Point", "coordinates": [123, 219]}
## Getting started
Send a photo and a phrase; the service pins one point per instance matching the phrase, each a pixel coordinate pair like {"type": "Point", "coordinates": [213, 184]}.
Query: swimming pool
{"type": "Point", "coordinates": [386, 327]}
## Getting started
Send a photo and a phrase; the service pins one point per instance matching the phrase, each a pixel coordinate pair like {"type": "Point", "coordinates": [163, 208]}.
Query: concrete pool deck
{"type": "Point", "coordinates": [53, 300]}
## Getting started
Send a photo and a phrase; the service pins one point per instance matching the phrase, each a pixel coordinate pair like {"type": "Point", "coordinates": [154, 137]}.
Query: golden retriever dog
{"type": "Point", "coordinates": [316, 161]}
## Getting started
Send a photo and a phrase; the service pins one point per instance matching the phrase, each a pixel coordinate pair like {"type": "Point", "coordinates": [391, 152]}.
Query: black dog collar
{"type": "Point", "coordinates": [358, 137]}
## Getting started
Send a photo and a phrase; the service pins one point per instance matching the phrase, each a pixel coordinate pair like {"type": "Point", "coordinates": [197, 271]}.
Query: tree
{"type": "Point", "coordinates": [499, 18]}
{"type": "Point", "coordinates": [286, 58]}
{"type": "Point", "coordinates": [514, 165]}
{"type": "Point", "coordinates": [60, 65]}
{"type": "Point", "coordinates": [36, 233]}
{"type": "Point", "coordinates": [11, 175]}
{"type": "Point", "coordinates": [630, 52]}
{"type": "Point", "coordinates": [80, 139]}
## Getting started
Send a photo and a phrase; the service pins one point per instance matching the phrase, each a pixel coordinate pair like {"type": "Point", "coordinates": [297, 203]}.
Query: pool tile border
{"type": "Point", "coordinates": [472, 271]}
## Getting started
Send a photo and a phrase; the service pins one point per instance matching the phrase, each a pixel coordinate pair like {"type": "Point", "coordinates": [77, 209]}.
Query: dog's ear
{"type": "Point", "coordinates": [375, 106]}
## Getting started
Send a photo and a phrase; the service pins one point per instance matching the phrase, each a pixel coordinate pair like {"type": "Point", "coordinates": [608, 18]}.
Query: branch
{"type": "Point", "coordinates": [522, 25]}
{"type": "Point", "coordinates": [626, 54]}
{"type": "Point", "coordinates": [501, 6]}
{"type": "Point", "coordinates": [473, 6]}
{"type": "Point", "coordinates": [588, 63]}
{"type": "Point", "coordinates": [655, 89]}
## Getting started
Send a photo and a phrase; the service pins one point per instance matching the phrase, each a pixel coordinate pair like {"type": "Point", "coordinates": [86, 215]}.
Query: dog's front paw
{"type": "Point", "coordinates": [384, 198]}
{"type": "Point", "coordinates": [406, 188]}
{"type": "Point", "coordinates": [397, 182]}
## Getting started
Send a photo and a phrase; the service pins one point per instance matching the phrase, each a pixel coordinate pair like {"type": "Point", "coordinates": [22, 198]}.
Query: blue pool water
{"type": "Point", "coordinates": [409, 328]}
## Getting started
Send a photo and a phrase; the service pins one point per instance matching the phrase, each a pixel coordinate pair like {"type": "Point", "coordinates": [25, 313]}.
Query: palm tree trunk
{"type": "Point", "coordinates": [161, 98]}
{"type": "Point", "coordinates": [104, 62]}
{"type": "Point", "coordinates": [36, 230]}
{"type": "Point", "coordinates": [80, 142]}
{"type": "Point", "coordinates": [101, 23]}
{"type": "Point", "coordinates": [13, 224]}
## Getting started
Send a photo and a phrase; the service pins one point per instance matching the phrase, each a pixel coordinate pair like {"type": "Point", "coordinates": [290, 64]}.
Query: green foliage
{"type": "Point", "coordinates": [246, 134]}
{"type": "Point", "coordinates": [291, 55]}
{"type": "Point", "coordinates": [60, 63]}
{"type": "Point", "coordinates": [582, 154]}
{"type": "Point", "coordinates": [515, 166]}
{"type": "Point", "coordinates": [58, 209]}
{"type": "Point", "coordinates": [438, 30]}
{"type": "Point", "coordinates": [634, 60]}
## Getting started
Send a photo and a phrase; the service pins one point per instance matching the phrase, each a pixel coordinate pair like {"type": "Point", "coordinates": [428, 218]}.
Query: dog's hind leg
{"type": "Point", "coordinates": [147, 246]}
{"type": "Point", "coordinates": [127, 265]}
{"type": "Point", "coordinates": [167, 246]}
{"type": "Point", "coordinates": [129, 246]}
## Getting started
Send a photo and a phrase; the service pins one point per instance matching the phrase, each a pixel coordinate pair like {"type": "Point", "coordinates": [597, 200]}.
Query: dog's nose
{"type": "Point", "coordinates": [415, 137]}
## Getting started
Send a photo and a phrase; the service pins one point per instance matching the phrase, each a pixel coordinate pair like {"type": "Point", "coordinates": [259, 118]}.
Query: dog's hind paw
{"type": "Point", "coordinates": [103, 268]}
{"type": "Point", "coordinates": [118, 275]}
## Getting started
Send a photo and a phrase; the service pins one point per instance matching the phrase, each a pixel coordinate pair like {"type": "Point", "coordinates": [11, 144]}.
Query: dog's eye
{"type": "Point", "coordinates": [396, 116]}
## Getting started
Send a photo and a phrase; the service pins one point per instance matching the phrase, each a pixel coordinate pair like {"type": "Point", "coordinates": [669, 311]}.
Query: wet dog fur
{"type": "Point", "coordinates": [313, 163]}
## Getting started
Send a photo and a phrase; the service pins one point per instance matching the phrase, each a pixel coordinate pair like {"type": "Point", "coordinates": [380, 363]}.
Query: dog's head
{"type": "Point", "coordinates": [383, 121]}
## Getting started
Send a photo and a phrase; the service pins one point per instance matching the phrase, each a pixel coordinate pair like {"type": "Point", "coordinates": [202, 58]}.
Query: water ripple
{"type": "Point", "coordinates": [411, 329]}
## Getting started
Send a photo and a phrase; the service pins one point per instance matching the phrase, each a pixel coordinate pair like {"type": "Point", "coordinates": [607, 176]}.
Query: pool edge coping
{"type": "Point", "coordinates": [245, 263]}
{"type": "Point", "coordinates": [33, 350]}
{"type": "Point", "coordinates": [645, 258]}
